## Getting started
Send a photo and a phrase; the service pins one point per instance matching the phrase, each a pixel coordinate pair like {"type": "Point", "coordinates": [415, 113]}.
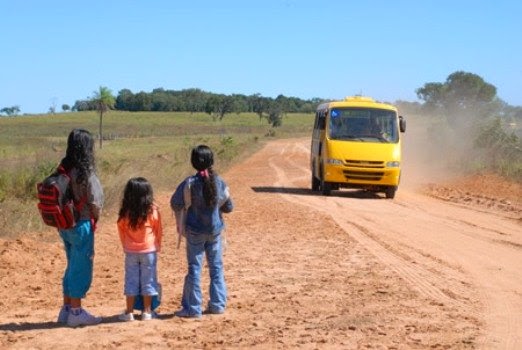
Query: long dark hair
{"type": "Point", "coordinates": [80, 154]}
{"type": "Point", "coordinates": [202, 160]}
{"type": "Point", "coordinates": [137, 201]}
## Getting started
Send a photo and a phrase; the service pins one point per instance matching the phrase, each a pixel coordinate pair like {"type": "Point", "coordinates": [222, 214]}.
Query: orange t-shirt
{"type": "Point", "coordinates": [145, 238]}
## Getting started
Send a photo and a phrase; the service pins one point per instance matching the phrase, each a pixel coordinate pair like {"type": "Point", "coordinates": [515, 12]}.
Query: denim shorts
{"type": "Point", "coordinates": [140, 274]}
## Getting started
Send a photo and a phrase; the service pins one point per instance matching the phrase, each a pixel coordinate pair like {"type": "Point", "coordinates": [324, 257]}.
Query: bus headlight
{"type": "Point", "coordinates": [334, 161]}
{"type": "Point", "coordinates": [394, 164]}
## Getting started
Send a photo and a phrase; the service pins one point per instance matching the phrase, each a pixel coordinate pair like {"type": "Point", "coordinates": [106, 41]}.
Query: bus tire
{"type": "Point", "coordinates": [326, 187]}
{"type": "Point", "coordinates": [390, 192]}
{"type": "Point", "coordinates": [316, 184]}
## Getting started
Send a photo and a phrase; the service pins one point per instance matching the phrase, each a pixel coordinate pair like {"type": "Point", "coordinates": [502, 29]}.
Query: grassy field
{"type": "Point", "coordinates": [155, 145]}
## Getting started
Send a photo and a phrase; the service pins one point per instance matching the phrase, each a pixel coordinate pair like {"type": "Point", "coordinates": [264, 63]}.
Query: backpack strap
{"type": "Point", "coordinates": [77, 206]}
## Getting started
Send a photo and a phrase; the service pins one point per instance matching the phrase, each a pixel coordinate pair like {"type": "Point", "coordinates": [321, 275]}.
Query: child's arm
{"type": "Point", "coordinates": [177, 201]}
{"type": "Point", "coordinates": [158, 230]}
{"type": "Point", "coordinates": [227, 206]}
{"type": "Point", "coordinates": [179, 206]}
{"type": "Point", "coordinates": [121, 230]}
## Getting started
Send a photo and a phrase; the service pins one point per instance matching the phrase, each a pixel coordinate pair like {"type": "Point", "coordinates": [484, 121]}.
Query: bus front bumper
{"type": "Point", "coordinates": [342, 174]}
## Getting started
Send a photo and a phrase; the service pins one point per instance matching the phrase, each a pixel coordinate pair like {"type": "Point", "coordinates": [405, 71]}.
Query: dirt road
{"type": "Point", "coordinates": [451, 255]}
{"type": "Point", "coordinates": [349, 271]}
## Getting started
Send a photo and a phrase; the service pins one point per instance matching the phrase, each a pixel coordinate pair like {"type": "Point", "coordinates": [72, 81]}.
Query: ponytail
{"type": "Point", "coordinates": [202, 160]}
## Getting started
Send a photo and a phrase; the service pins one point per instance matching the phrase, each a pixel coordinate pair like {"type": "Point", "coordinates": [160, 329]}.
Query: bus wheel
{"type": "Point", "coordinates": [316, 184]}
{"type": "Point", "coordinates": [326, 188]}
{"type": "Point", "coordinates": [390, 191]}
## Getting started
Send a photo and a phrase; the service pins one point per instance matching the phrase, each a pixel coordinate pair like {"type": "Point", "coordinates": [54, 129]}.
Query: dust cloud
{"type": "Point", "coordinates": [433, 152]}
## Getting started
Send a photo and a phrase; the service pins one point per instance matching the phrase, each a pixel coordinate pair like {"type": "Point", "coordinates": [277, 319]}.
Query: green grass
{"type": "Point", "coordinates": [155, 145]}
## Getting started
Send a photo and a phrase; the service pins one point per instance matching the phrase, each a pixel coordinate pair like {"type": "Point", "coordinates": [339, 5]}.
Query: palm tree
{"type": "Point", "coordinates": [104, 100]}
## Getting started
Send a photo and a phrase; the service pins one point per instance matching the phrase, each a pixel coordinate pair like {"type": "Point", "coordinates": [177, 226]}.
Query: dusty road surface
{"type": "Point", "coordinates": [349, 271]}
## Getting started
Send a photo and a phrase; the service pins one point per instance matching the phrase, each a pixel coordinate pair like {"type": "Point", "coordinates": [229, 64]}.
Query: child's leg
{"type": "Point", "coordinates": [130, 304]}
{"type": "Point", "coordinates": [218, 287]}
{"type": "Point", "coordinates": [76, 302]}
{"type": "Point", "coordinates": [148, 279]}
{"type": "Point", "coordinates": [80, 252]}
{"type": "Point", "coordinates": [147, 302]}
{"type": "Point", "coordinates": [132, 280]}
{"type": "Point", "coordinates": [191, 298]}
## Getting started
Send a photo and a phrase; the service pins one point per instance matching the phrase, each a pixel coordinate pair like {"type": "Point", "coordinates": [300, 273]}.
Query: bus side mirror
{"type": "Point", "coordinates": [402, 124]}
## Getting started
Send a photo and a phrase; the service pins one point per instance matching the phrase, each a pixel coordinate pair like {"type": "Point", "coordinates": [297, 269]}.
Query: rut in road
{"type": "Point", "coordinates": [420, 279]}
{"type": "Point", "coordinates": [452, 255]}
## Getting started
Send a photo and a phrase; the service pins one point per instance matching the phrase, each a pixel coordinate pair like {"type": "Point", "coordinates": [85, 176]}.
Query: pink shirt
{"type": "Point", "coordinates": [145, 238]}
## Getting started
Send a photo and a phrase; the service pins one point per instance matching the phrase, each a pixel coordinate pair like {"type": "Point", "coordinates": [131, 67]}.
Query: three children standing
{"type": "Point", "coordinates": [198, 202]}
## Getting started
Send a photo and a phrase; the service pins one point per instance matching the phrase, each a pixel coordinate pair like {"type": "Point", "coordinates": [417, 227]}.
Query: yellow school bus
{"type": "Point", "coordinates": [356, 143]}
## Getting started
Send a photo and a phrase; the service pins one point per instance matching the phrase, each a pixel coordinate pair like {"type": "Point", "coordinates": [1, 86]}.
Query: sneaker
{"type": "Point", "coordinates": [210, 311]}
{"type": "Point", "coordinates": [64, 314]}
{"type": "Point", "coordinates": [145, 316]}
{"type": "Point", "coordinates": [126, 317]}
{"type": "Point", "coordinates": [185, 314]}
{"type": "Point", "coordinates": [82, 319]}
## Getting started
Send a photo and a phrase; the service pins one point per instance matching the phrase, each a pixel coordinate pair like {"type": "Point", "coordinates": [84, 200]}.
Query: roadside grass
{"type": "Point", "coordinates": [153, 145]}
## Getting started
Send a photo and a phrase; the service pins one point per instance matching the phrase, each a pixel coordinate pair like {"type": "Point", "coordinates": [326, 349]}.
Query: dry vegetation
{"type": "Point", "coordinates": [154, 145]}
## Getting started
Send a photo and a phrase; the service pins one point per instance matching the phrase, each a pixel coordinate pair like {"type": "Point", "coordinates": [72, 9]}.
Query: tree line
{"type": "Point", "coordinates": [464, 101]}
{"type": "Point", "coordinates": [197, 100]}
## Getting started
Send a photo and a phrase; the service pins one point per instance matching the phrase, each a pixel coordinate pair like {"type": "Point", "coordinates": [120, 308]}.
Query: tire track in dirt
{"type": "Point", "coordinates": [459, 240]}
{"type": "Point", "coordinates": [413, 274]}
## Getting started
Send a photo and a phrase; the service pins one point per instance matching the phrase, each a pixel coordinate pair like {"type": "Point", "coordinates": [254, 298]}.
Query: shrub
{"type": "Point", "coordinates": [502, 152]}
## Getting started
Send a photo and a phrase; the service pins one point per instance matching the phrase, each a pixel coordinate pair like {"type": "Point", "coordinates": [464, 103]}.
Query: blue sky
{"type": "Point", "coordinates": [56, 52]}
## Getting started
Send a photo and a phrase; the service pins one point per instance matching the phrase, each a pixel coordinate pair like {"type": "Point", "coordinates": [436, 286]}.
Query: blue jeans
{"type": "Point", "coordinates": [79, 250]}
{"type": "Point", "coordinates": [141, 274]}
{"type": "Point", "coordinates": [197, 246]}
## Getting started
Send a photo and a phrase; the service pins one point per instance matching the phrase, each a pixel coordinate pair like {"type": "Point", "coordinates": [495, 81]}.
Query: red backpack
{"type": "Point", "coordinates": [55, 200]}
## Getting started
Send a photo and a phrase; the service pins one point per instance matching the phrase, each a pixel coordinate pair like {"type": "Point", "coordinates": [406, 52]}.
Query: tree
{"type": "Point", "coordinates": [52, 108]}
{"type": "Point", "coordinates": [219, 105]}
{"type": "Point", "coordinates": [84, 105]}
{"type": "Point", "coordinates": [259, 104]}
{"type": "Point", "coordinates": [124, 99]}
{"type": "Point", "coordinates": [104, 100]}
{"type": "Point", "coordinates": [462, 97]}
{"type": "Point", "coordinates": [10, 111]}
{"type": "Point", "coordinates": [65, 107]}
{"type": "Point", "coordinates": [275, 114]}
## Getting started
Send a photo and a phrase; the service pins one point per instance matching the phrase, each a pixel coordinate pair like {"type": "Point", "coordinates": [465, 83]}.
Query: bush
{"type": "Point", "coordinates": [21, 184]}
{"type": "Point", "coordinates": [501, 152]}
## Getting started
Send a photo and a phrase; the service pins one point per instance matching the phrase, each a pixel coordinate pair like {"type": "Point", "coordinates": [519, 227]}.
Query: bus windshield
{"type": "Point", "coordinates": [363, 124]}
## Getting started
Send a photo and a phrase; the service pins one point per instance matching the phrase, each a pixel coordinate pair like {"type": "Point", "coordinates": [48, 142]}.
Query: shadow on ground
{"type": "Point", "coordinates": [361, 194]}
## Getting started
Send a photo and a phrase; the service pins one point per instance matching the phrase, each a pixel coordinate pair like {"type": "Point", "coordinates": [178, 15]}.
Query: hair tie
{"type": "Point", "coordinates": [203, 173]}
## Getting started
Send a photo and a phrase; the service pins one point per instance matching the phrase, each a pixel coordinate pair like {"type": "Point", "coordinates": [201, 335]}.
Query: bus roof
{"type": "Point", "coordinates": [357, 101]}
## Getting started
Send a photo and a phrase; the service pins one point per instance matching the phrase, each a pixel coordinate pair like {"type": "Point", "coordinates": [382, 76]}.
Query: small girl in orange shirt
{"type": "Point", "coordinates": [140, 230]}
